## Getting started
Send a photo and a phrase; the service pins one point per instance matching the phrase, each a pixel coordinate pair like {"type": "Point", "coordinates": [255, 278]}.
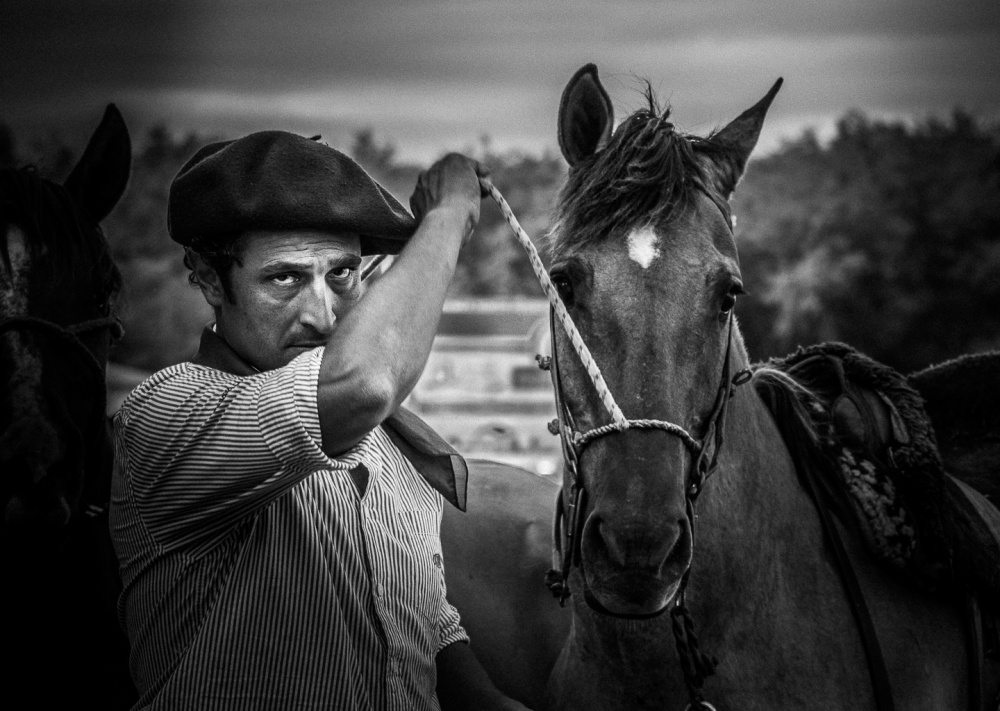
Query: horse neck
{"type": "Point", "coordinates": [753, 517]}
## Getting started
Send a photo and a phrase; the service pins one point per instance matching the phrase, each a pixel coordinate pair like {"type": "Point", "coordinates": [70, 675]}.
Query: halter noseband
{"type": "Point", "coordinates": [575, 442]}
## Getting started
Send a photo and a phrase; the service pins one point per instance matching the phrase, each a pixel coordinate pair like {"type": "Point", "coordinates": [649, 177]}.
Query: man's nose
{"type": "Point", "coordinates": [319, 311]}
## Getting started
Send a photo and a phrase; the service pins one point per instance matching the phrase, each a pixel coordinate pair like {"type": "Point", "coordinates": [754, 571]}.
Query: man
{"type": "Point", "coordinates": [275, 514]}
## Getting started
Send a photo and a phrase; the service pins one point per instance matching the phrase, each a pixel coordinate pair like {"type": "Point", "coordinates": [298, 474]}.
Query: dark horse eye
{"type": "Point", "coordinates": [729, 300]}
{"type": "Point", "coordinates": [564, 287]}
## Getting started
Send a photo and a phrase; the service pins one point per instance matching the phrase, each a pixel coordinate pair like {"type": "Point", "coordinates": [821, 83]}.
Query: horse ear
{"type": "Point", "coordinates": [99, 178]}
{"type": "Point", "coordinates": [737, 141]}
{"type": "Point", "coordinates": [585, 116]}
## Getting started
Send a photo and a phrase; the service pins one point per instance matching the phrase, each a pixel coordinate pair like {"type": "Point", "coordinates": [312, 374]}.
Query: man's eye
{"type": "Point", "coordinates": [342, 273]}
{"type": "Point", "coordinates": [284, 279]}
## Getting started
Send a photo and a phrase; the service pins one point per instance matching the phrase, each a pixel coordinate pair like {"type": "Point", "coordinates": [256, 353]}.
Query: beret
{"type": "Point", "coordinates": [274, 180]}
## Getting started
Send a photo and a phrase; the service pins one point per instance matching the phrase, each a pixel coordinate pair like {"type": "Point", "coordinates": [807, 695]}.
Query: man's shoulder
{"type": "Point", "coordinates": [167, 386]}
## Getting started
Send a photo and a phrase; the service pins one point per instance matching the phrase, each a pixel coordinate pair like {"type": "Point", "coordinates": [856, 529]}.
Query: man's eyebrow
{"type": "Point", "coordinates": [284, 265]}
{"type": "Point", "coordinates": [293, 265]}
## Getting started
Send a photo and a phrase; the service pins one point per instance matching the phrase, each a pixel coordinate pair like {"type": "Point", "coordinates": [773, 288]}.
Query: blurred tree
{"type": "Point", "coordinates": [369, 153]}
{"type": "Point", "coordinates": [138, 226]}
{"type": "Point", "coordinates": [888, 239]}
{"type": "Point", "coordinates": [493, 263]}
{"type": "Point", "coordinates": [162, 312]}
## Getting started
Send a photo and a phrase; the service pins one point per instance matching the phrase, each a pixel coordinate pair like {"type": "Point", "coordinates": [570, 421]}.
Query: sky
{"type": "Point", "coordinates": [436, 75]}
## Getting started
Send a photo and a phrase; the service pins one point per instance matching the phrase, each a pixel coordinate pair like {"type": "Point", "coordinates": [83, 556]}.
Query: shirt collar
{"type": "Point", "coordinates": [214, 352]}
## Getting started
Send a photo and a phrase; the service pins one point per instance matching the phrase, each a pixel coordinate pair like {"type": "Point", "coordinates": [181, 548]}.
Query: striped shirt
{"type": "Point", "coordinates": [255, 575]}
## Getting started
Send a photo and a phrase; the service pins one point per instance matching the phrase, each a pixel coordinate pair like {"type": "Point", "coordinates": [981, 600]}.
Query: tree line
{"type": "Point", "coordinates": [886, 237]}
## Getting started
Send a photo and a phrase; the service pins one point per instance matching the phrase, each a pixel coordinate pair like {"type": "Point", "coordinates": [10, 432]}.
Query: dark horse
{"type": "Point", "coordinates": [62, 642]}
{"type": "Point", "coordinates": [645, 260]}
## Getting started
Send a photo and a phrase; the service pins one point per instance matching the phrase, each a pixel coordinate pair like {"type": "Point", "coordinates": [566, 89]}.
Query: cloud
{"type": "Point", "coordinates": [444, 72]}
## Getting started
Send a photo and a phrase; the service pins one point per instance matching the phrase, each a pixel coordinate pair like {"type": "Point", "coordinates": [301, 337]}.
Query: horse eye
{"type": "Point", "coordinates": [563, 286]}
{"type": "Point", "coordinates": [729, 300]}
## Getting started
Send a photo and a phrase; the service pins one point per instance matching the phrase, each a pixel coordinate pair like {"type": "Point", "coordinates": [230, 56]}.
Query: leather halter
{"type": "Point", "coordinates": [569, 519]}
{"type": "Point", "coordinates": [569, 516]}
{"type": "Point", "coordinates": [575, 442]}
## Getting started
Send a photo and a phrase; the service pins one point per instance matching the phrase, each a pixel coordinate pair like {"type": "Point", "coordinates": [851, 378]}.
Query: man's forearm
{"type": "Point", "coordinates": [376, 354]}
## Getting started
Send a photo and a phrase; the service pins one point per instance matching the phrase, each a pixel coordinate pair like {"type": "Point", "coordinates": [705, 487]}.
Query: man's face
{"type": "Point", "coordinates": [288, 294]}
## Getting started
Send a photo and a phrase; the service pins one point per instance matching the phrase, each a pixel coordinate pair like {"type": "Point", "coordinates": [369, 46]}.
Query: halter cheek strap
{"type": "Point", "coordinates": [704, 453]}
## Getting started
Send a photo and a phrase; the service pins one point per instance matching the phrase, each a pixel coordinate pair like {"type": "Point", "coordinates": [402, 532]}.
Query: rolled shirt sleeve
{"type": "Point", "coordinates": [211, 447]}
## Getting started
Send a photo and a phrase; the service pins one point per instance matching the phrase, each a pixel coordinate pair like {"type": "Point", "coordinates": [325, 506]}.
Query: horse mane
{"type": "Point", "coordinates": [789, 402]}
{"type": "Point", "coordinates": [56, 227]}
{"type": "Point", "coordinates": [645, 173]}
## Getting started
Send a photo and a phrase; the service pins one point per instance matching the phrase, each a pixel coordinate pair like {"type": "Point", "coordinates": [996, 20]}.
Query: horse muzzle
{"type": "Point", "coordinates": [631, 569]}
{"type": "Point", "coordinates": [39, 478]}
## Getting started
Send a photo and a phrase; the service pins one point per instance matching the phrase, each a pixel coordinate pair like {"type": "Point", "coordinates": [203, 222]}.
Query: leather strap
{"type": "Point", "coordinates": [869, 638]}
{"type": "Point", "coordinates": [975, 651]}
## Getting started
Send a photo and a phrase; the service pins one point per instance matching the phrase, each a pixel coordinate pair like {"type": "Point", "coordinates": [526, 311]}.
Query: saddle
{"type": "Point", "coordinates": [912, 462]}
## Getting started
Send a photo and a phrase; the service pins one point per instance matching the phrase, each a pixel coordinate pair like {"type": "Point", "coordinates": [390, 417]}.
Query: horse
{"type": "Point", "coordinates": [687, 542]}
{"type": "Point", "coordinates": [58, 283]}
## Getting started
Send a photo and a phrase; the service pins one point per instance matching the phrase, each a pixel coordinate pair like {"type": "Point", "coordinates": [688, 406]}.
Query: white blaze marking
{"type": "Point", "coordinates": [643, 246]}
{"type": "Point", "coordinates": [13, 288]}
{"type": "Point", "coordinates": [24, 385]}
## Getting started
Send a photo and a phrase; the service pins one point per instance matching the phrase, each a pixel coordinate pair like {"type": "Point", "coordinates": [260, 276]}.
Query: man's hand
{"type": "Point", "coordinates": [451, 183]}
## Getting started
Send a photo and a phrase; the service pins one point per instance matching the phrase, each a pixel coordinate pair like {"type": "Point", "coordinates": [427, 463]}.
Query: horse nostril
{"type": "Point", "coordinates": [679, 555]}
{"type": "Point", "coordinates": [640, 545]}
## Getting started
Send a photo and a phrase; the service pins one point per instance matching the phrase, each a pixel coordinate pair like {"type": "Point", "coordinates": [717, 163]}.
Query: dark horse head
{"type": "Point", "coordinates": [64, 647]}
{"type": "Point", "coordinates": [644, 259]}
{"type": "Point", "coordinates": [57, 288]}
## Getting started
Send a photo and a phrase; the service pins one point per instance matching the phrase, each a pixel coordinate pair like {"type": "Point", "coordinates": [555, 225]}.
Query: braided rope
{"type": "Point", "coordinates": [372, 266]}
{"type": "Point", "coordinates": [693, 445]}
{"type": "Point", "coordinates": [620, 423]}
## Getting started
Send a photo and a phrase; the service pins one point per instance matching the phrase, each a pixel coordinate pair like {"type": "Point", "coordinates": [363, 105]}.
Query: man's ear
{"type": "Point", "coordinates": [209, 280]}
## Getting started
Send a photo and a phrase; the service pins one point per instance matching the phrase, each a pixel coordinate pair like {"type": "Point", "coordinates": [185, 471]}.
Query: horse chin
{"type": "Point", "coordinates": [630, 595]}
{"type": "Point", "coordinates": [635, 574]}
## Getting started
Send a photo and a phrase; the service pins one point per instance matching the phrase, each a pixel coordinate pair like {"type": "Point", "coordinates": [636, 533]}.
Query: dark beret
{"type": "Point", "coordinates": [275, 180]}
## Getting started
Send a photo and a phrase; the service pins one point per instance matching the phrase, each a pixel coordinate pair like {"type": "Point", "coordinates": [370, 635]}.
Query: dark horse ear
{"type": "Point", "coordinates": [585, 116]}
{"type": "Point", "coordinates": [736, 141]}
{"type": "Point", "coordinates": [100, 176]}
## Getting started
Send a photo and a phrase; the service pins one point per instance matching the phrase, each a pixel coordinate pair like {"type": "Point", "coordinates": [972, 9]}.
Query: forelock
{"type": "Point", "coordinates": [644, 176]}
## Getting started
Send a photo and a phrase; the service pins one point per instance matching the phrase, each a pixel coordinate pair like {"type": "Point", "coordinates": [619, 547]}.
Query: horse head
{"type": "Point", "coordinates": [57, 287]}
{"type": "Point", "coordinates": [644, 259]}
